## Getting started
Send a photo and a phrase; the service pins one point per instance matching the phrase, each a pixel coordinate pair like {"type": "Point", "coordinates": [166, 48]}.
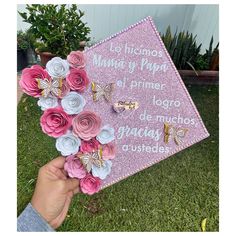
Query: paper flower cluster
{"type": "Point", "coordinates": [80, 136]}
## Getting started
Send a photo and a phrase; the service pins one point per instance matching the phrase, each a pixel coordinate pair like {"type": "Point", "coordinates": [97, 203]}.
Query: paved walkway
{"type": "Point", "coordinates": [19, 91]}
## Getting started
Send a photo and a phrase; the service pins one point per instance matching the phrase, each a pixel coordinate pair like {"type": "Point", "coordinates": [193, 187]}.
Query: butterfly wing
{"type": "Point", "coordinates": [56, 92]}
{"type": "Point", "coordinates": [108, 90]}
{"type": "Point", "coordinates": [97, 91]}
{"type": "Point", "coordinates": [97, 159]}
{"type": "Point", "coordinates": [57, 83]}
{"type": "Point", "coordinates": [56, 87]}
{"type": "Point", "coordinates": [46, 92]}
{"type": "Point", "coordinates": [43, 84]}
{"type": "Point", "coordinates": [86, 161]}
{"type": "Point", "coordinates": [179, 134]}
{"type": "Point", "coordinates": [167, 132]}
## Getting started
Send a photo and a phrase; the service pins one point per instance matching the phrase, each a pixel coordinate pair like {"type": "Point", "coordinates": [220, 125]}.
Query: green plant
{"type": "Point", "coordinates": [57, 28]}
{"type": "Point", "coordinates": [22, 40]}
{"type": "Point", "coordinates": [210, 59]}
{"type": "Point", "coordinates": [212, 56]}
{"type": "Point", "coordinates": [182, 48]}
{"type": "Point", "coordinates": [209, 52]}
{"type": "Point", "coordinates": [201, 63]}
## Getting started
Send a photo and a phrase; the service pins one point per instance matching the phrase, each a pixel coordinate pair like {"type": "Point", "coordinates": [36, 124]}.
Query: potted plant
{"type": "Point", "coordinates": [186, 56]}
{"type": "Point", "coordinates": [58, 29]}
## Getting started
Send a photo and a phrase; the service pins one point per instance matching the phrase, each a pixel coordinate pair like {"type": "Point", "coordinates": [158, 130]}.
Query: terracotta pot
{"type": "Point", "coordinates": [82, 45]}
{"type": "Point", "coordinates": [45, 57]}
{"type": "Point", "coordinates": [202, 77]}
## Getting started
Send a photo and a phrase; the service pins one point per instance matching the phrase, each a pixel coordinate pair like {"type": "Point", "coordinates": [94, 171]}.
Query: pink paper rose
{"type": "Point", "coordinates": [55, 122]}
{"type": "Point", "coordinates": [89, 146]}
{"type": "Point", "coordinates": [108, 151]}
{"type": "Point", "coordinates": [28, 82]}
{"type": "Point", "coordinates": [86, 125]}
{"type": "Point", "coordinates": [74, 167]}
{"type": "Point", "coordinates": [90, 184]}
{"type": "Point", "coordinates": [76, 59]}
{"type": "Point", "coordinates": [77, 79]}
{"type": "Point", "coordinates": [65, 89]}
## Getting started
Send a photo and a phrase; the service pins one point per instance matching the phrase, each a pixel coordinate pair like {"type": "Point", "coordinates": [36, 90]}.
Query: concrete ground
{"type": "Point", "coordinates": [19, 91]}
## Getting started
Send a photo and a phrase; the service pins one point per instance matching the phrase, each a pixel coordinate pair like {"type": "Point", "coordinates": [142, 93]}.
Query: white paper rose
{"type": "Point", "coordinates": [57, 67]}
{"type": "Point", "coordinates": [102, 172]}
{"type": "Point", "coordinates": [48, 102]}
{"type": "Point", "coordinates": [73, 103]}
{"type": "Point", "coordinates": [68, 144]}
{"type": "Point", "coordinates": [106, 135]}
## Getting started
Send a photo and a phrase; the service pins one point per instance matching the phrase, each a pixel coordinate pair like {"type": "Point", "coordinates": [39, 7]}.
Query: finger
{"type": "Point", "coordinates": [72, 184]}
{"type": "Point", "coordinates": [57, 162]}
{"type": "Point", "coordinates": [76, 190]}
{"type": "Point", "coordinates": [64, 172]}
{"type": "Point", "coordinates": [60, 174]}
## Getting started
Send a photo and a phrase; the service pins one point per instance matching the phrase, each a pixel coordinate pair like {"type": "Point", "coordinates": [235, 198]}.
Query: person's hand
{"type": "Point", "coordinates": [53, 192]}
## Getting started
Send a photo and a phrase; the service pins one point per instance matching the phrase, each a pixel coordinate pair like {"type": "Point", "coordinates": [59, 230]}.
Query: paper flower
{"type": "Point", "coordinates": [76, 59]}
{"type": "Point", "coordinates": [77, 79]}
{"type": "Point", "coordinates": [90, 184]}
{"type": "Point", "coordinates": [86, 125]}
{"type": "Point", "coordinates": [73, 103]}
{"type": "Point", "coordinates": [79, 137]}
{"type": "Point", "coordinates": [57, 67]}
{"type": "Point", "coordinates": [28, 82]}
{"type": "Point", "coordinates": [65, 89]}
{"type": "Point", "coordinates": [89, 146]}
{"type": "Point", "coordinates": [106, 135]}
{"type": "Point", "coordinates": [55, 122]}
{"type": "Point", "coordinates": [108, 151]}
{"type": "Point", "coordinates": [47, 102]}
{"type": "Point", "coordinates": [68, 144]}
{"type": "Point", "coordinates": [74, 167]}
{"type": "Point", "coordinates": [103, 171]}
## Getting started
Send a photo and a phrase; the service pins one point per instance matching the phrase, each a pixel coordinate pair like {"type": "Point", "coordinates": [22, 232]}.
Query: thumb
{"type": "Point", "coordinates": [72, 184]}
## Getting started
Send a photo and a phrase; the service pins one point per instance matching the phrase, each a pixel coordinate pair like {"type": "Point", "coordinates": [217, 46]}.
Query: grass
{"type": "Point", "coordinates": [174, 195]}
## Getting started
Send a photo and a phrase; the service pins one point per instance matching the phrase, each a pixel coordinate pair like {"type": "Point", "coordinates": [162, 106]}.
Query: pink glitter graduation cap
{"type": "Point", "coordinates": [136, 64]}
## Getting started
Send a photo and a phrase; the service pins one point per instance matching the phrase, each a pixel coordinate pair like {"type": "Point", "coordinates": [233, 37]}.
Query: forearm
{"type": "Point", "coordinates": [30, 221]}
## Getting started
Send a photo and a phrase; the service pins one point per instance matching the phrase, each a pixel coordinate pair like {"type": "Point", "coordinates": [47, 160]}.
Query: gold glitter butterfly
{"type": "Point", "coordinates": [177, 133]}
{"type": "Point", "coordinates": [52, 87]}
{"type": "Point", "coordinates": [102, 91]}
{"type": "Point", "coordinates": [89, 159]}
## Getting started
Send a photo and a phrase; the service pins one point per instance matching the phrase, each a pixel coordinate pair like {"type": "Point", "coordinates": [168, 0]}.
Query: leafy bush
{"type": "Point", "coordinates": [22, 40]}
{"type": "Point", "coordinates": [57, 28]}
{"type": "Point", "coordinates": [185, 52]}
{"type": "Point", "coordinates": [182, 48]}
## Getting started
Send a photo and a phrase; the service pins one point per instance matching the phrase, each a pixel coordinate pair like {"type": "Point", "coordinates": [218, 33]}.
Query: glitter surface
{"type": "Point", "coordinates": [158, 88]}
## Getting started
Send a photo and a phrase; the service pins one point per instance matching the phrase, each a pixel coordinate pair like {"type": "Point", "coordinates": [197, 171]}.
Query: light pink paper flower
{"type": "Point", "coordinates": [74, 167]}
{"type": "Point", "coordinates": [28, 82]}
{"type": "Point", "coordinates": [77, 80]}
{"type": "Point", "coordinates": [89, 146]}
{"type": "Point", "coordinates": [76, 59]}
{"type": "Point", "coordinates": [55, 122]}
{"type": "Point", "coordinates": [108, 151]}
{"type": "Point", "coordinates": [86, 125]}
{"type": "Point", "coordinates": [90, 184]}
